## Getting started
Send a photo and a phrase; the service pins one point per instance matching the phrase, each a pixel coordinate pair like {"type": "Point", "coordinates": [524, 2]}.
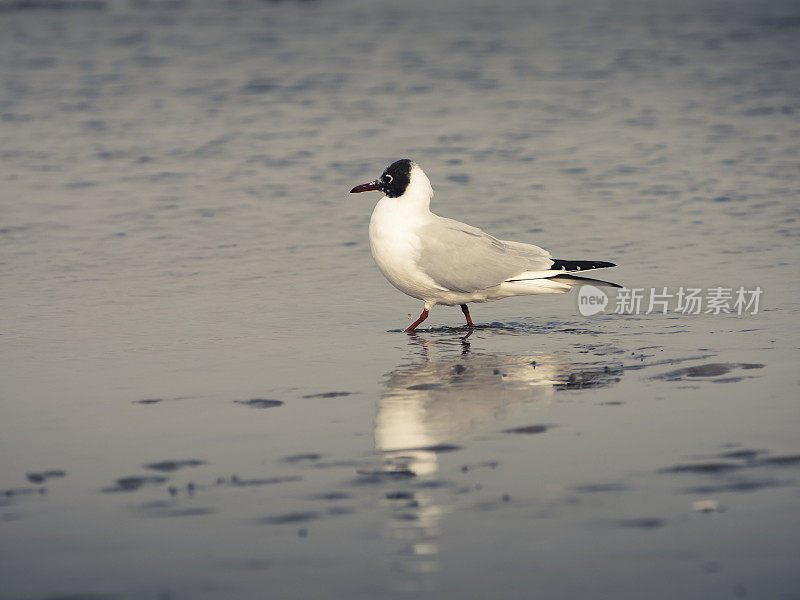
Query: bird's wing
{"type": "Point", "coordinates": [462, 258]}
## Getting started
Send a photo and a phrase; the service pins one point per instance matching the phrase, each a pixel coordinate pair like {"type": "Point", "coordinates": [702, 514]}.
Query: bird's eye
{"type": "Point", "coordinates": [388, 178]}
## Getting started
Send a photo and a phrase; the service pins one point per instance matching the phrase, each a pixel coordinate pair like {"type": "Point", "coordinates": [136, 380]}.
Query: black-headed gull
{"type": "Point", "coordinates": [442, 261]}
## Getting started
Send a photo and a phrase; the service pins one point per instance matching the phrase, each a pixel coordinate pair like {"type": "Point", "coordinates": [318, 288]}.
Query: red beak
{"type": "Point", "coordinates": [367, 187]}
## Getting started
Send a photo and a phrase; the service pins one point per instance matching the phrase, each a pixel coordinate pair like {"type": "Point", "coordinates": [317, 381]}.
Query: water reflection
{"type": "Point", "coordinates": [430, 407]}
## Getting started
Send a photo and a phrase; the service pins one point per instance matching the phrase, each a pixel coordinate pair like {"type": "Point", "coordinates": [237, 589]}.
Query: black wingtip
{"type": "Point", "coordinates": [579, 265]}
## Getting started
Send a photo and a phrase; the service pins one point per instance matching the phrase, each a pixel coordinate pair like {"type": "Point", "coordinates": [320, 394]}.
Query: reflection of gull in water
{"type": "Point", "coordinates": [431, 405]}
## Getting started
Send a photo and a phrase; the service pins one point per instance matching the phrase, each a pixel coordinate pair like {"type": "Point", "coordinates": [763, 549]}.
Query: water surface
{"type": "Point", "coordinates": [205, 392]}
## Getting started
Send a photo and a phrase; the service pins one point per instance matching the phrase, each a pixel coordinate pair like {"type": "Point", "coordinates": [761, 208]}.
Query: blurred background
{"type": "Point", "coordinates": [177, 241]}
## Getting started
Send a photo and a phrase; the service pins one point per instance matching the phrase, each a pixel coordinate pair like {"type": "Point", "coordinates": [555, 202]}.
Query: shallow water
{"type": "Point", "coordinates": [205, 390]}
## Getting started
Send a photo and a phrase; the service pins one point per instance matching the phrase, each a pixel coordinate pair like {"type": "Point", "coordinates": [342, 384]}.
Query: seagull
{"type": "Point", "coordinates": [442, 261]}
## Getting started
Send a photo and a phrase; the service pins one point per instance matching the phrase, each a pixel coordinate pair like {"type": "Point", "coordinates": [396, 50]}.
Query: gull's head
{"type": "Point", "coordinates": [399, 178]}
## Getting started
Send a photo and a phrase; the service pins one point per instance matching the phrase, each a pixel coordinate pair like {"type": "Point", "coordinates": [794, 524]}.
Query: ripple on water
{"type": "Point", "coordinates": [131, 484]}
{"type": "Point", "coordinates": [174, 465]}
{"type": "Point", "coordinates": [289, 518]}
{"type": "Point", "coordinates": [260, 403]}
{"type": "Point", "coordinates": [643, 523]}
{"type": "Point", "coordinates": [529, 429]}
{"type": "Point", "coordinates": [707, 371]}
{"type": "Point", "coordinates": [45, 475]}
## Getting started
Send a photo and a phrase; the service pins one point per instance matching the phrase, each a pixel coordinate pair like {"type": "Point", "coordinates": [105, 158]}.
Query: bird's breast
{"type": "Point", "coordinates": [395, 247]}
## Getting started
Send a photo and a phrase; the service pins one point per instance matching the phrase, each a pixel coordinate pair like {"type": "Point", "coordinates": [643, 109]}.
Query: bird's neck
{"type": "Point", "coordinates": [417, 198]}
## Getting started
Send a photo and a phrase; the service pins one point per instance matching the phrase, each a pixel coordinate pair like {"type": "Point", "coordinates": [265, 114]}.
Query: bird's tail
{"type": "Point", "coordinates": [575, 280]}
{"type": "Point", "coordinates": [559, 277]}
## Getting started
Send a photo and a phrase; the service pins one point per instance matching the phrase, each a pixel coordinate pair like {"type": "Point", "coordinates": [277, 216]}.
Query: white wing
{"type": "Point", "coordinates": [462, 258]}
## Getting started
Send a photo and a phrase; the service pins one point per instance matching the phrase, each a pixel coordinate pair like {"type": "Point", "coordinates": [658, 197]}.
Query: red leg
{"type": "Point", "coordinates": [465, 310]}
{"type": "Point", "coordinates": [422, 317]}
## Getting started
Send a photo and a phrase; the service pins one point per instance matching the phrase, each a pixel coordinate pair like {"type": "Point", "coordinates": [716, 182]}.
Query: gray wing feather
{"type": "Point", "coordinates": [462, 258]}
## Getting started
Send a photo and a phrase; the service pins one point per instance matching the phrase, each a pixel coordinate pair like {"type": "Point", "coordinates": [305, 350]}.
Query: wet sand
{"type": "Point", "coordinates": [206, 390]}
